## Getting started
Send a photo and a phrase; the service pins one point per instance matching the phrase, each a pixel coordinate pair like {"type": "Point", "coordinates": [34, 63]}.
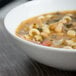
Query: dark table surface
{"type": "Point", "coordinates": [15, 62]}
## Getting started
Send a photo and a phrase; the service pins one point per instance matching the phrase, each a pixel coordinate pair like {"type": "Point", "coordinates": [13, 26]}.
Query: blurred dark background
{"type": "Point", "coordinates": [7, 5]}
{"type": "Point", "coordinates": [4, 2]}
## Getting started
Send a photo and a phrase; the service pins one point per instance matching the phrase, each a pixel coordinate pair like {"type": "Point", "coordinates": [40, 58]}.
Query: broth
{"type": "Point", "coordinates": [56, 29]}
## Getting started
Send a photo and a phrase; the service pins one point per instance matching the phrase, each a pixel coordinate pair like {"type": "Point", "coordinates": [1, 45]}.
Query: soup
{"type": "Point", "coordinates": [56, 29]}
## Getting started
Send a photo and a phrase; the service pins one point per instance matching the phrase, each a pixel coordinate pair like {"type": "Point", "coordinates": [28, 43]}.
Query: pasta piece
{"type": "Point", "coordinates": [38, 38]}
{"type": "Point", "coordinates": [67, 47]}
{"type": "Point", "coordinates": [52, 26]}
{"type": "Point", "coordinates": [58, 42]}
{"type": "Point", "coordinates": [33, 32]}
{"type": "Point", "coordinates": [71, 33]}
{"type": "Point", "coordinates": [66, 19]}
{"type": "Point", "coordinates": [28, 37]}
{"type": "Point", "coordinates": [46, 29]}
{"type": "Point", "coordinates": [44, 35]}
{"type": "Point", "coordinates": [59, 27]}
{"type": "Point", "coordinates": [70, 43]}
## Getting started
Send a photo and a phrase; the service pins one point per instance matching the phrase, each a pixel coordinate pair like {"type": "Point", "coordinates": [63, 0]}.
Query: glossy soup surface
{"type": "Point", "coordinates": [52, 29]}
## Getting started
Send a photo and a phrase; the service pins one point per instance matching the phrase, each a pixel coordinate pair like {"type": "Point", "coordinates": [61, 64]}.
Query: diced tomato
{"type": "Point", "coordinates": [46, 43]}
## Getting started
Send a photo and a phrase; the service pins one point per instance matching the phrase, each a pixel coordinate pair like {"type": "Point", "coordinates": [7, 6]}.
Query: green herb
{"type": "Point", "coordinates": [40, 29]}
{"type": "Point", "coordinates": [68, 25]}
{"type": "Point", "coordinates": [56, 20]}
{"type": "Point", "coordinates": [34, 23]}
{"type": "Point", "coordinates": [51, 40]}
{"type": "Point", "coordinates": [52, 21]}
{"type": "Point", "coordinates": [74, 29]}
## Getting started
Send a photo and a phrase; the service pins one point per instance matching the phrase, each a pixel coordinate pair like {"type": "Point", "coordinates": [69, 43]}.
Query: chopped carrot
{"type": "Point", "coordinates": [46, 43]}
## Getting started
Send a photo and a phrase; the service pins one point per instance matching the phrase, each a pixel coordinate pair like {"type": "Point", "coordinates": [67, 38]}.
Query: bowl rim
{"type": "Point", "coordinates": [31, 43]}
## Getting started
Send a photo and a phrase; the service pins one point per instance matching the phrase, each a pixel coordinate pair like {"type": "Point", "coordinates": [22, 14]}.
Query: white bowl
{"type": "Point", "coordinates": [55, 57]}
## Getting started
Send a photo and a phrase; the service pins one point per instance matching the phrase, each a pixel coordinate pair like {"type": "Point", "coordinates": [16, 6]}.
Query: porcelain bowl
{"type": "Point", "coordinates": [54, 57]}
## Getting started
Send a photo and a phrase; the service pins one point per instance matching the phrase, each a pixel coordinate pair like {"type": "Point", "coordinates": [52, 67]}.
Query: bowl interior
{"type": "Point", "coordinates": [33, 8]}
